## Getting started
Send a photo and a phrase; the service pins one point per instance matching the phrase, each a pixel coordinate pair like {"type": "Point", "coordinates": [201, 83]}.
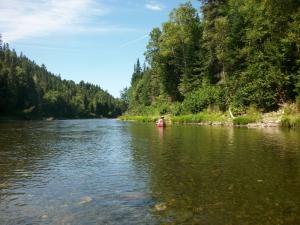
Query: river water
{"type": "Point", "coordinates": [113, 172]}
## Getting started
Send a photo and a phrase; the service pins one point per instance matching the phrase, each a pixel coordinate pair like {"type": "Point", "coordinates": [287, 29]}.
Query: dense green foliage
{"type": "Point", "coordinates": [30, 91]}
{"type": "Point", "coordinates": [237, 54]}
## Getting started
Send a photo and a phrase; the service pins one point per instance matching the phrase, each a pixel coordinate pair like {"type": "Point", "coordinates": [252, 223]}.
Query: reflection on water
{"type": "Point", "coordinates": [113, 172]}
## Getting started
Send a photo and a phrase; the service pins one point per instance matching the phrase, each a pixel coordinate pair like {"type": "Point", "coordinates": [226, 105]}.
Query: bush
{"type": "Point", "coordinates": [262, 84]}
{"type": "Point", "coordinates": [290, 109]}
{"type": "Point", "coordinates": [164, 108]}
{"type": "Point", "coordinates": [237, 109]}
{"type": "Point", "coordinates": [176, 109]}
{"type": "Point", "coordinates": [199, 100]}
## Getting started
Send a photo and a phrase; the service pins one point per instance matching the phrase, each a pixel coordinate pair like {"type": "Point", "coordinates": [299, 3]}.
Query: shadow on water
{"type": "Point", "coordinates": [113, 172]}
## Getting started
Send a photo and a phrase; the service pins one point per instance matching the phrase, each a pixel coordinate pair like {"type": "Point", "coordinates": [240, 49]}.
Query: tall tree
{"type": "Point", "coordinates": [137, 73]}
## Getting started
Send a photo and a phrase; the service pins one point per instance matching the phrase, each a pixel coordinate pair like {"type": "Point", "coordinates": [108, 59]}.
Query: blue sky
{"type": "Point", "coordinates": [97, 41]}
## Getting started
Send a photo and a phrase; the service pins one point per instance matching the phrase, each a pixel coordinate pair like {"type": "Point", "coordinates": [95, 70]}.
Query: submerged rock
{"type": "Point", "coordinates": [160, 207]}
{"type": "Point", "coordinates": [4, 185]}
{"type": "Point", "coordinates": [45, 216]}
{"type": "Point", "coordinates": [85, 200]}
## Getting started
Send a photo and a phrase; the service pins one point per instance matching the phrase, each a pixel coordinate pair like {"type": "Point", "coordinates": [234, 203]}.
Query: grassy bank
{"type": "Point", "coordinates": [291, 116]}
{"type": "Point", "coordinates": [144, 119]}
{"type": "Point", "coordinates": [247, 119]}
{"type": "Point", "coordinates": [287, 116]}
{"type": "Point", "coordinates": [253, 119]}
{"type": "Point", "coordinates": [290, 121]}
{"type": "Point", "coordinates": [203, 117]}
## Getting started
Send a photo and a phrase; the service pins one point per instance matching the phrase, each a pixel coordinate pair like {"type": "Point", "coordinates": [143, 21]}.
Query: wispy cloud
{"type": "Point", "coordinates": [21, 19]}
{"type": "Point", "coordinates": [134, 41]}
{"type": "Point", "coordinates": [154, 6]}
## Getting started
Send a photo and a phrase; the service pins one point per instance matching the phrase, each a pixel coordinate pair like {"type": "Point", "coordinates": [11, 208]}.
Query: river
{"type": "Point", "coordinates": [114, 172]}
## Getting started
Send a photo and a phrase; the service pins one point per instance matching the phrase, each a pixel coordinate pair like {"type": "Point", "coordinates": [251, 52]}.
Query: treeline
{"type": "Point", "coordinates": [231, 54]}
{"type": "Point", "coordinates": [31, 91]}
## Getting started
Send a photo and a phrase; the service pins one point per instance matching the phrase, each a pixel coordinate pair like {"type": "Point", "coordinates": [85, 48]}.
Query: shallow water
{"type": "Point", "coordinates": [113, 172]}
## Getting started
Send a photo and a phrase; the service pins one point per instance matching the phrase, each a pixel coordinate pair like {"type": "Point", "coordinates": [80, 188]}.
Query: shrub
{"type": "Point", "coordinates": [176, 109]}
{"type": "Point", "coordinates": [290, 109]}
{"type": "Point", "coordinates": [199, 100]}
{"type": "Point", "coordinates": [263, 84]}
{"type": "Point", "coordinates": [163, 108]}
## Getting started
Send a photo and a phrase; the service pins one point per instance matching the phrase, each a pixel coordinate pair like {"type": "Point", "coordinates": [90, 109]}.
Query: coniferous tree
{"type": "Point", "coordinates": [240, 53]}
{"type": "Point", "coordinates": [28, 90]}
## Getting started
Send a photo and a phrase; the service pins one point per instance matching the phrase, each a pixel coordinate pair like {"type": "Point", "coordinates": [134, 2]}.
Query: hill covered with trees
{"type": "Point", "coordinates": [28, 90]}
{"type": "Point", "coordinates": [231, 54]}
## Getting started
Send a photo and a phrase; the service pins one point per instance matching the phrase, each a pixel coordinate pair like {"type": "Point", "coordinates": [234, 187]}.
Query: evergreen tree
{"type": "Point", "coordinates": [240, 53]}
{"type": "Point", "coordinates": [137, 73]}
{"type": "Point", "coordinates": [28, 90]}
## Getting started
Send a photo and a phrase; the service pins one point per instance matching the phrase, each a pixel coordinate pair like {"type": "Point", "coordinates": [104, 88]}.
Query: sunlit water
{"type": "Point", "coordinates": [113, 172]}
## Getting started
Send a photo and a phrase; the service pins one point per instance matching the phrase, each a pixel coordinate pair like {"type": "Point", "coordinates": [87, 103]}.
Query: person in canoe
{"type": "Point", "coordinates": [161, 122]}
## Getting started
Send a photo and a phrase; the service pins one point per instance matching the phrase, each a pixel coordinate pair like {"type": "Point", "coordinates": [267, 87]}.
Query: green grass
{"type": "Point", "coordinates": [191, 118]}
{"type": "Point", "coordinates": [252, 116]}
{"type": "Point", "coordinates": [144, 119]}
{"type": "Point", "coordinates": [246, 119]}
{"type": "Point", "coordinates": [202, 117]}
{"type": "Point", "coordinates": [290, 121]}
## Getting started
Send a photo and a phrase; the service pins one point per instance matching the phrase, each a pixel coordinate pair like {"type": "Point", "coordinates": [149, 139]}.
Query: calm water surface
{"type": "Point", "coordinates": [113, 172]}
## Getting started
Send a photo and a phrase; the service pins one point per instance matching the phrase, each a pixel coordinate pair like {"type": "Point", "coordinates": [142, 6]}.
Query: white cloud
{"type": "Point", "coordinates": [21, 19]}
{"type": "Point", "coordinates": [154, 6]}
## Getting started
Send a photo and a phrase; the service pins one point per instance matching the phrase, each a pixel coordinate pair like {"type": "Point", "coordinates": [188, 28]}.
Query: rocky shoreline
{"type": "Point", "coordinates": [231, 124]}
{"type": "Point", "coordinates": [280, 118]}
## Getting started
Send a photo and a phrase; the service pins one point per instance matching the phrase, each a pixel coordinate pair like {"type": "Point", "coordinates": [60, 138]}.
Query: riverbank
{"type": "Point", "coordinates": [280, 118]}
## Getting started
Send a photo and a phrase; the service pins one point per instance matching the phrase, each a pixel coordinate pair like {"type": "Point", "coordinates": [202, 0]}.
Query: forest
{"type": "Point", "coordinates": [229, 54]}
{"type": "Point", "coordinates": [29, 91]}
